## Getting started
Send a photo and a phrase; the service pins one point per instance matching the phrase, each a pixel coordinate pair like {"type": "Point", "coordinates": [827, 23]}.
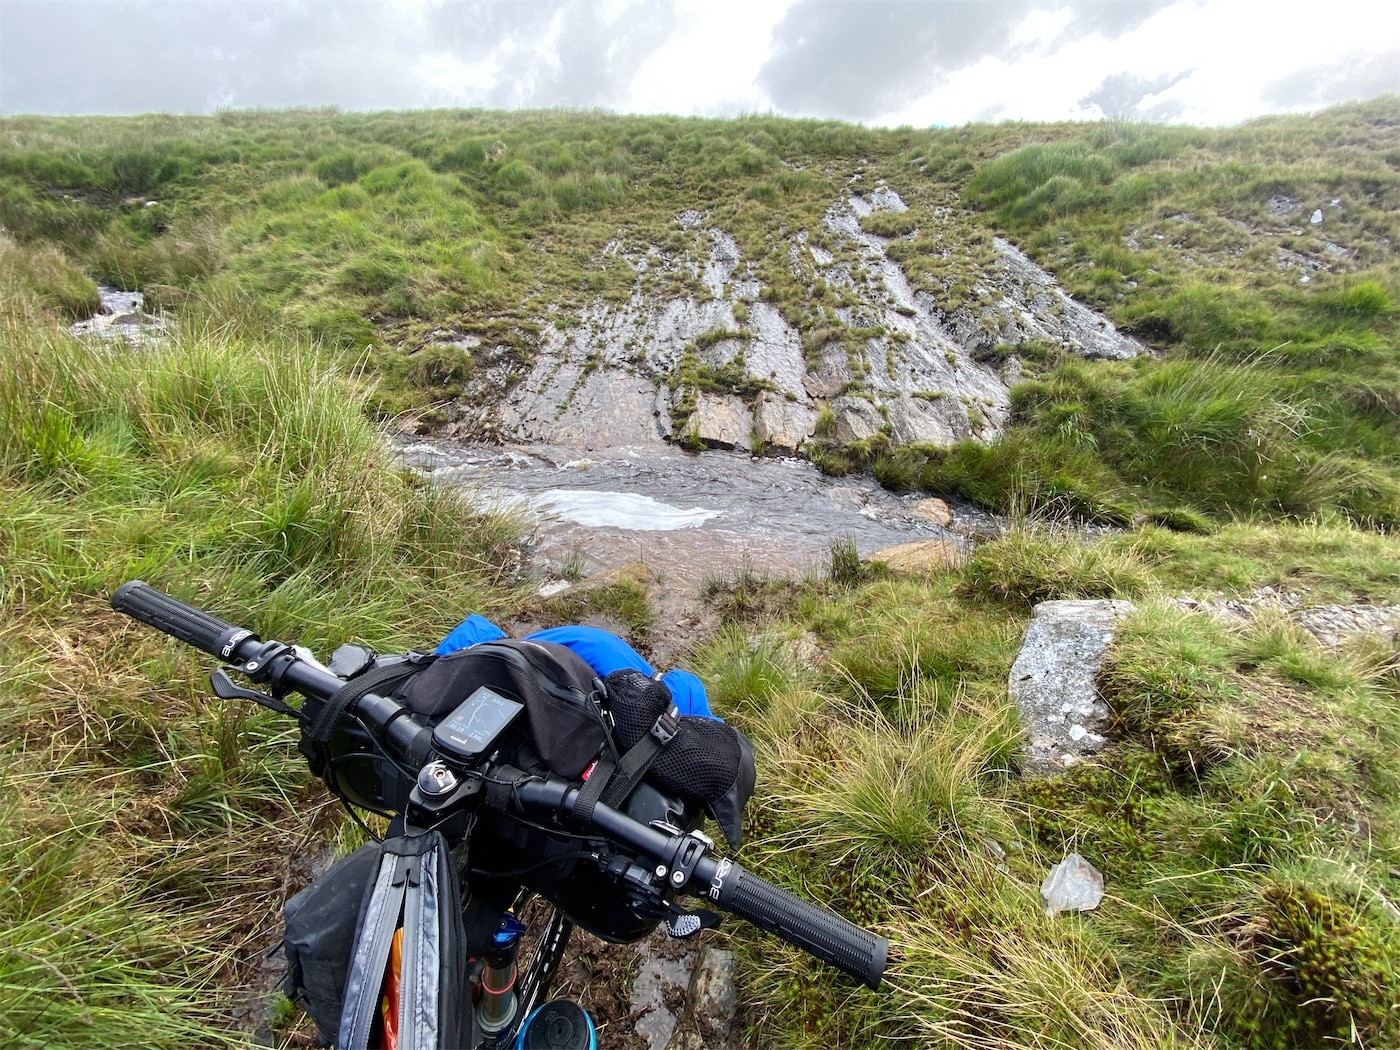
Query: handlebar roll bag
{"type": "Point", "coordinates": [559, 690]}
{"type": "Point", "coordinates": [416, 888]}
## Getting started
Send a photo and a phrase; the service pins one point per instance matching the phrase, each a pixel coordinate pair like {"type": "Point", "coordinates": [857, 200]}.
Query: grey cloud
{"type": "Point", "coordinates": [860, 58]}
{"type": "Point", "coordinates": [133, 57]}
{"type": "Point", "coordinates": [1112, 18]}
{"type": "Point", "coordinates": [856, 60]}
{"type": "Point", "coordinates": [1355, 76]}
{"type": "Point", "coordinates": [91, 57]}
{"type": "Point", "coordinates": [593, 61]}
{"type": "Point", "coordinates": [1121, 94]}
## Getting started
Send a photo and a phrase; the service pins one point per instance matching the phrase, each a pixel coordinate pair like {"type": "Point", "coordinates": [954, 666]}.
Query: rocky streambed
{"type": "Point", "coordinates": [122, 316]}
{"type": "Point", "coordinates": [687, 516]}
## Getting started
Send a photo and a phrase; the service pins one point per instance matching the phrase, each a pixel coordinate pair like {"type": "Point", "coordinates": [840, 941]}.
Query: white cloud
{"type": "Point", "coordinates": [1233, 51]}
{"type": "Point", "coordinates": [455, 81]}
{"type": "Point", "coordinates": [1041, 28]}
{"type": "Point", "coordinates": [1199, 61]}
{"type": "Point", "coordinates": [712, 59]}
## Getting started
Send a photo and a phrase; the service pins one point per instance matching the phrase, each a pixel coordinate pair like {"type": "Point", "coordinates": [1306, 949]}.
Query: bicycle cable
{"type": "Point", "coordinates": [513, 872]}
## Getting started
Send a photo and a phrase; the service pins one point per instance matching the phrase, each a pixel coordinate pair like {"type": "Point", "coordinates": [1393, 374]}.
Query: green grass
{"type": "Point", "coordinates": [1247, 818]}
{"type": "Point", "coordinates": [147, 824]}
{"type": "Point", "coordinates": [1243, 909]}
{"type": "Point", "coordinates": [49, 280]}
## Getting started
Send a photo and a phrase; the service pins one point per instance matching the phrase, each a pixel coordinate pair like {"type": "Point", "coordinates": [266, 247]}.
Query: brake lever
{"type": "Point", "coordinates": [682, 924]}
{"type": "Point", "coordinates": [225, 689]}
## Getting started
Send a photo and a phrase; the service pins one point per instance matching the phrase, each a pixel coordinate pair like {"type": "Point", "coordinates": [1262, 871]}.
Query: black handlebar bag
{"type": "Point", "coordinates": [417, 887]}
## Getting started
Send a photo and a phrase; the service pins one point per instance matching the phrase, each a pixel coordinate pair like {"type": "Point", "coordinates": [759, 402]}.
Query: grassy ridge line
{"type": "Point", "coordinates": [150, 829]}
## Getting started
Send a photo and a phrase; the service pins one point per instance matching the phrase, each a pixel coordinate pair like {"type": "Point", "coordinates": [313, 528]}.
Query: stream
{"type": "Point", "coordinates": [122, 316]}
{"type": "Point", "coordinates": [690, 517]}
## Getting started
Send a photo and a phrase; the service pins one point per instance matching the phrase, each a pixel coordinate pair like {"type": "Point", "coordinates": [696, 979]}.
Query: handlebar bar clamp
{"type": "Point", "coordinates": [687, 856]}
{"type": "Point", "coordinates": [269, 663]}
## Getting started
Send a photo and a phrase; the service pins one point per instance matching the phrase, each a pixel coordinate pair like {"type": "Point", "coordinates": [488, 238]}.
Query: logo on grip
{"type": "Point", "coordinates": [717, 883]}
{"type": "Point", "coordinates": [232, 643]}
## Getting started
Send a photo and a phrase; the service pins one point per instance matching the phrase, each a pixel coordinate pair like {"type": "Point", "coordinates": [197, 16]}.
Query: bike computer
{"type": "Point", "coordinates": [475, 724]}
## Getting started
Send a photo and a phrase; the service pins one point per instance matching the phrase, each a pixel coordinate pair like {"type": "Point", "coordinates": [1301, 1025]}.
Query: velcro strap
{"type": "Point", "coordinates": [500, 794]}
{"type": "Point", "coordinates": [372, 681]}
{"type": "Point", "coordinates": [591, 793]}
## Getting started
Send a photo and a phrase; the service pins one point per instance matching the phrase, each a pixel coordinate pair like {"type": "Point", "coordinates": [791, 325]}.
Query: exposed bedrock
{"type": "Point", "coordinates": [695, 355]}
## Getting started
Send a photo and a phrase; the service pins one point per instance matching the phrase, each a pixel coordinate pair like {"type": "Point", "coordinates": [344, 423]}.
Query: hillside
{"type": "Point", "coordinates": [1165, 357]}
{"type": "Point", "coordinates": [470, 251]}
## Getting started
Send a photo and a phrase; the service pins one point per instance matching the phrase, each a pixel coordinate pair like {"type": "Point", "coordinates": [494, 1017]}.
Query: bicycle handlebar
{"type": "Point", "coordinates": [815, 929]}
{"type": "Point", "coordinates": [811, 927]}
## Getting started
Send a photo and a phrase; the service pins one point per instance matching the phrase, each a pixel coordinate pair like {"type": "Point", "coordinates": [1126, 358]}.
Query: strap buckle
{"type": "Point", "coordinates": [666, 726]}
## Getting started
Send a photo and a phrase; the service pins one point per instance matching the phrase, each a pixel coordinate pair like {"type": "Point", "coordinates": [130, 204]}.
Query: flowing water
{"type": "Point", "coordinates": [688, 516]}
{"type": "Point", "coordinates": [122, 316]}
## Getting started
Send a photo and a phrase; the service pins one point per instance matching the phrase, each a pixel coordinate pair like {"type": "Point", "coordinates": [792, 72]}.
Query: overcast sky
{"type": "Point", "coordinates": [879, 62]}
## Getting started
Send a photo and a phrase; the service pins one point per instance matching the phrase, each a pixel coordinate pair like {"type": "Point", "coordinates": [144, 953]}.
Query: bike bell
{"type": "Point", "coordinates": [558, 1025]}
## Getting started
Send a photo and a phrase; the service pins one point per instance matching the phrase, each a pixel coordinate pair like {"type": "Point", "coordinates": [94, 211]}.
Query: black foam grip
{"type": "Point", "coordinates": [824, 934]}
{"type": "Point", "coordinates": [193, 626]}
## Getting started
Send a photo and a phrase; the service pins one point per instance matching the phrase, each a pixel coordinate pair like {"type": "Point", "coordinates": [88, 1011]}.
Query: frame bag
{"type": "Point", "coordinates": [320, 938]}
{"type": "Point", "coordinates": [416, 887]}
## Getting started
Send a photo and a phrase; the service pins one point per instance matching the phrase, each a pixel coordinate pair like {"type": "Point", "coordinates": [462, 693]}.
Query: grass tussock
{"type": "Point", "coordinates": [150, 829]}
{"type": "Point", "coordinates": [1245, 818]}
{"type": "Point", "coordinates": [1033, 564]}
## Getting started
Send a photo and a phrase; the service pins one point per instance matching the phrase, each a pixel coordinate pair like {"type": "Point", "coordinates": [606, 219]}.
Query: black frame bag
{"type": "Point", "coordinates": [321, 922]}
{"type": "Point", "coordinates": [417, 886]}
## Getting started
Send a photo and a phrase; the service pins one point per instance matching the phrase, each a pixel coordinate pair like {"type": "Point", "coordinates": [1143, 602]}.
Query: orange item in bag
{"type": "Point", "coordinates": [389, 1002]}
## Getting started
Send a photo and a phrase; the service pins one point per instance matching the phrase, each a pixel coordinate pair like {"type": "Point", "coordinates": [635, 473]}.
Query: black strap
{"type": "Point", "coordinates": [591, 793]}
{"type": "Point", "coordinates": [639, 757]}
{"type": "Point", "coordinates": [372, 681]}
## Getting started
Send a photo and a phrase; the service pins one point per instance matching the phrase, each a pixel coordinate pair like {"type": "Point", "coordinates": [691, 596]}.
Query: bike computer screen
{"type": "Point", "coordinates": [469, 730]}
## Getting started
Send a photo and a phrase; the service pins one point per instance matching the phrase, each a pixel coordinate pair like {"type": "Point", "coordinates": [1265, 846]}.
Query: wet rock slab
{"type": "Point", "coordinates": [616, 374]}
{"type": "Point", "coordinates": [683, 995]}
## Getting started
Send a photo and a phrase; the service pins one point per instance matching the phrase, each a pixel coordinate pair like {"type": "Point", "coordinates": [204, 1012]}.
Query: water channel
{"type": "Point", "coordinates": [688, 516]}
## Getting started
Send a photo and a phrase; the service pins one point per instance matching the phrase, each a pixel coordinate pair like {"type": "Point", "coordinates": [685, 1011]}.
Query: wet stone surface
{"type": "Point", "coordinates": [122, 317]}
{"type": "Point", "coordinates": [688, 517]}
{"type": "Point", "coordinates": [613, 374]}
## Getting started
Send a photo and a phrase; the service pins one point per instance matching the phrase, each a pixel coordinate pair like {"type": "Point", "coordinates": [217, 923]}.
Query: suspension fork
{"type": "Point", "coordinates": [497, 1009]}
